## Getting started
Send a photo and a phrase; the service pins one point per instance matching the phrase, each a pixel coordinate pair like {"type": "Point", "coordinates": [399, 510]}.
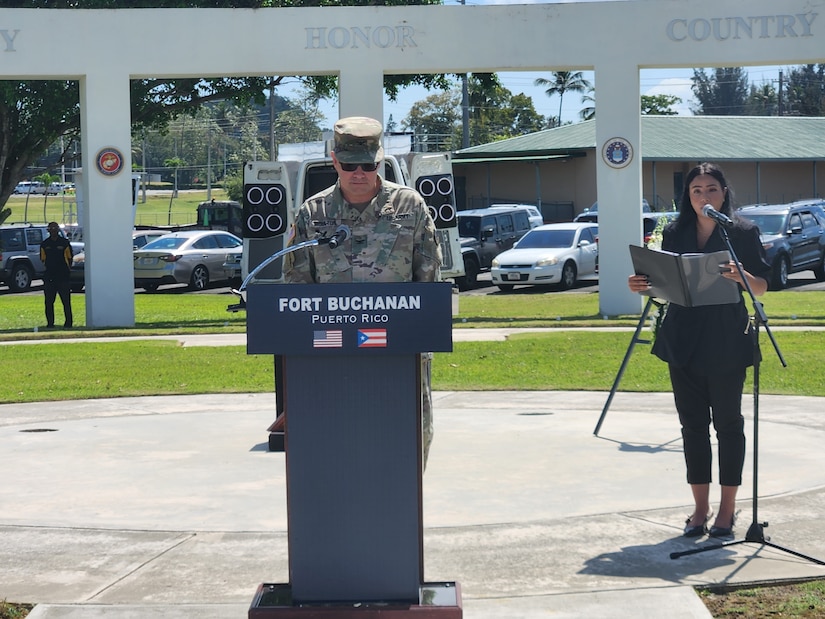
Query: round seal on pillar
{"type": "Point", "coordinates": [617, 152]}
{"type": "Point", "coordinates": [109, 161]}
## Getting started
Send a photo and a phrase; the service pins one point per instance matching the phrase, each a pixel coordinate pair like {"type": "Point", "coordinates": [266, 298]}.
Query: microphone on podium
{"type": "Point", "coordinates": [341, 234]}
{"type": "Point", "coordinates": [720, 218]}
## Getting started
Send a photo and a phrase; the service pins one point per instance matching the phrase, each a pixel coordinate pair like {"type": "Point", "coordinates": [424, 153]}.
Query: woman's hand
{"type": "Point", "coordinates": [729, 271]}
{"type": "Point", "coordinates": [638, 283]}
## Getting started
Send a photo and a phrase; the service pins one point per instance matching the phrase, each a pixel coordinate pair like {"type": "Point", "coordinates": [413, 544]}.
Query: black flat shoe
{"type": "Point", "coordinates": [698, 530]}
{"type": "Point", "coordinates": [723, 531]}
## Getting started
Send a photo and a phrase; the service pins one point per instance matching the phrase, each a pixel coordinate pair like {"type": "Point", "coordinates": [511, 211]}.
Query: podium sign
{"type": "Point", "coordinates": [342, 319]}
{"type": "Point", "coordinates": [352, 402]}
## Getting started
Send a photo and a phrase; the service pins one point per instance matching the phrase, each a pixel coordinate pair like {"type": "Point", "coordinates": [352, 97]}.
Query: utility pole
{"type": "Point", "coordinates": [465, 108]}
{"type": "Point", "coordinates": [272, 120]}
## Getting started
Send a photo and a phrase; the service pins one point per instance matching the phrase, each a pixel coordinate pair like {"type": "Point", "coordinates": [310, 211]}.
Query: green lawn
{"type": "Point", "coordinates": [563, 360]}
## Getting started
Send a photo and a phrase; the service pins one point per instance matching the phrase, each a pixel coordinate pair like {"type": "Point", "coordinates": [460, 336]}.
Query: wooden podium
{"type": "Point", "coordinates": [352, 394]}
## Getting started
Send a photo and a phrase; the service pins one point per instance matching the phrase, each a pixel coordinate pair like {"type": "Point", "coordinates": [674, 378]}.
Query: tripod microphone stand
{"type": "Point", "coordinates": [756, 531]}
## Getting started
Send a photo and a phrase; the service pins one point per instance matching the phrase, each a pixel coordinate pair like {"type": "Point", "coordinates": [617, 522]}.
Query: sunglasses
{"type": "Point", "coordinates": [366, 167]}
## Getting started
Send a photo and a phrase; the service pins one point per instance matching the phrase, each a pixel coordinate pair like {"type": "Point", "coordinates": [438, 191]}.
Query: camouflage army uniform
{"type": "Point", "coordinates": [392, 240]}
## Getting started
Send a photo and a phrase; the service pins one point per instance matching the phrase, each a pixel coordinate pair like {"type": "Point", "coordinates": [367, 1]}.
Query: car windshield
{"type": "Point", "coordinates": [468, 226]}
{"type": "Point", "coordinates": [769, 223]}
{"type": "Point", "coordinates": [166, 242]}
{"type": "Point", "coordinates": [547, 238]}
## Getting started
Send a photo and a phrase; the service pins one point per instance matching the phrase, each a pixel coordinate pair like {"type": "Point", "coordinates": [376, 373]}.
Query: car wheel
{"type": "Point", "coordinates": [199, 279]}
{"type": "Point", "coordinates": [505, 287]}
{"type": "Point", "coordinates": [779, 274]}
{"type": "Point", "coordinates": [21, 278]}
{"type": "Point", "coordinates": [150, 287]}
{"type": "Point", "coordinates": [470, 279]}
{"type": "Point", "coordinates": [568, 275]}
{"type": "Point", "coordinates": [77, 287]}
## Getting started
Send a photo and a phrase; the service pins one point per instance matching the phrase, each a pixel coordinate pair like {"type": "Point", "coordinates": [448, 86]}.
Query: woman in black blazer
{"type": "Point", "coordinates": [708, 348]}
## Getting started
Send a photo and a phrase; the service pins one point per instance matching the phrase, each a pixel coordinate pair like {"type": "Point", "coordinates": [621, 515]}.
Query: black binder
{"type": "Point", "coordinates": [685, 279]}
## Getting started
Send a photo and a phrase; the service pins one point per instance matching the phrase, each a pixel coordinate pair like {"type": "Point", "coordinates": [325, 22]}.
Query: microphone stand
{"type": "Point", "coordinates": [756, 531]}
{"type": "Point", "coordinates": [241, 305]}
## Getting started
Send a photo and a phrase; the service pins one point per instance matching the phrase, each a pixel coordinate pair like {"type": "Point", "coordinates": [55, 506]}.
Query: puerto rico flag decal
{"type": "Point", "coordinates": [372, 338]}
{"type": "Point", "coordinates": [327, 339]}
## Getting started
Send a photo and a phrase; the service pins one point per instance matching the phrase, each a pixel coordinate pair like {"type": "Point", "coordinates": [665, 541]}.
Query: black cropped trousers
{"type": "Point", "coordinates": [701, 400]}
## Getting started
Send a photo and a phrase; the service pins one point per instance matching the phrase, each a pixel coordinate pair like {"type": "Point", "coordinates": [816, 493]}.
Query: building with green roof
{"type": "Point", "coordinates": [766, 160]}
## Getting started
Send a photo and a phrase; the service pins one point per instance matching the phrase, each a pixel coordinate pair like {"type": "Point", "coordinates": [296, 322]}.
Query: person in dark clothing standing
{"type": "Point", "coordinates": [56, 255]}
{"type": "Point", "coordinates": [708, 348]}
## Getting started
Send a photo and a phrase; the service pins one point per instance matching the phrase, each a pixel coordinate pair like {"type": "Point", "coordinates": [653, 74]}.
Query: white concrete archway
{"type": "Point", "coordinates": [105, 48]}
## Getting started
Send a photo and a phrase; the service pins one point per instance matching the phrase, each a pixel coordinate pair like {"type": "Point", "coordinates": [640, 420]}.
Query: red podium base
{"type": "Point", "coordinates": [440, 600]}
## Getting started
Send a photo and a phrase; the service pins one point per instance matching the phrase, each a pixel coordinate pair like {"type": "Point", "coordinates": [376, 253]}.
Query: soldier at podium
{"type": "Point", "coordinates": [392, 235]}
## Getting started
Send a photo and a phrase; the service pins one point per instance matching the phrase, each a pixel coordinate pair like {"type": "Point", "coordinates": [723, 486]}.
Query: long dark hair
{"type": "Point", "coordinates": [687, 216]}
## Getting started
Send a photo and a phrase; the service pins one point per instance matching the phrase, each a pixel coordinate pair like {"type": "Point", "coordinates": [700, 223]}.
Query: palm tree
{"type": "Point", "coordinates": [562, 82]}
{"type": "Point", "coordinates": [589, 112]}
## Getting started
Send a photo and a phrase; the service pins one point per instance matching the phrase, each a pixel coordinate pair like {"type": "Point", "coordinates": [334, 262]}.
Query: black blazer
{"type": "Point", "coordinates": [711, 338]}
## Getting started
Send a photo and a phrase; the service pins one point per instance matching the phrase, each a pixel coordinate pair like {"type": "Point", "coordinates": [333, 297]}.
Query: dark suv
{"type": "Point", "coordinates": [20, 255]}
{"type": "Point", "coordinates": [484, 234]}
{"type": "Point", "coordinates": [793, 236]}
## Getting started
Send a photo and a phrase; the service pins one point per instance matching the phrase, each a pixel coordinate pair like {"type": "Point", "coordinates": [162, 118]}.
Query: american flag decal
{"type": "Point", "coordinates": [372, 338]}
{"type": "Point", "coordinates": [327, 339]}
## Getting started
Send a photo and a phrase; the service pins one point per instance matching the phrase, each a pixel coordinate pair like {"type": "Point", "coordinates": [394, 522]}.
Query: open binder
{"type": "Point", "coordinates": [685, 279]}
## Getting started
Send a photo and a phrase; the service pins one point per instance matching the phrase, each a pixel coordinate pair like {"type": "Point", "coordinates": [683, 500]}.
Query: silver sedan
{"type": "Point", "coordinates": [194, 257]}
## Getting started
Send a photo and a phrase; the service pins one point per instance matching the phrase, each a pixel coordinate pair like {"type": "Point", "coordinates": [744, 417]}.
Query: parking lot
{"type": "Point", "coordinates": [800, 282]}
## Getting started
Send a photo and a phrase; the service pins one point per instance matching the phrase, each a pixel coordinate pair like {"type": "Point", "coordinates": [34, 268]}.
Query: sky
{"type": "Point", "coordinates": [673, 81]}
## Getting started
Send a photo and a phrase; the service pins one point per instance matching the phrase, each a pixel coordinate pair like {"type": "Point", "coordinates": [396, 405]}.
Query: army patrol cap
{"type": "Point", "coordinates": [358, 140]}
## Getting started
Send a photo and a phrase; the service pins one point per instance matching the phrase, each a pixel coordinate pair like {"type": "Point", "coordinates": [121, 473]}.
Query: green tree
{"type": "Point", "coordinates": [659, 105]}
{"type": "Point", "coordinates": [525, 117]}
{"type": "Point", "coordinates": [762, 100]}
{"type": "Point", "coordinates": [806, 91]}
{"type": "Point", "coordinates": [34, 114]}
{"type": "Point", "coordinates": [589, 100]}
{"type": "Point", "coordinates": [433, 120]}
{"type": "Point", "coordinates": [489, 119]}
{"type": "Point", "coordinates": [562, 82]}
{"type": "Point", "coordinates": [723, 93]}
{"type": "Point", "coordinates": [47, 179]}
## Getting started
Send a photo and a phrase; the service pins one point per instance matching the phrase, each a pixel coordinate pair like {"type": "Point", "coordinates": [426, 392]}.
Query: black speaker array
{"type": "Point", "coordinates": [437, 191]}
{"type": "Point", "coordinates": [264, 210]}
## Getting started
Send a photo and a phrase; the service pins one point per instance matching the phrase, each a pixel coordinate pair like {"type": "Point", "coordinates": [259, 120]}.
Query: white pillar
{"type": "Point", "coordinates": [105, 121]}
{"type": "Point", "coordinates": [618, 184]}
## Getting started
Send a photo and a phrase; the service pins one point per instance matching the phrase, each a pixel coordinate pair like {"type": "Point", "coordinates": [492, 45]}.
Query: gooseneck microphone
{"type": "Point", "coordinates": [341, 234]}
{"type": "Point", "coordinates": [720, 218]}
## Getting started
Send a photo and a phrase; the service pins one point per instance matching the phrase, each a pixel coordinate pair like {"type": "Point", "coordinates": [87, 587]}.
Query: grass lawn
{"type": "Point", "coordinates": [562, 360]}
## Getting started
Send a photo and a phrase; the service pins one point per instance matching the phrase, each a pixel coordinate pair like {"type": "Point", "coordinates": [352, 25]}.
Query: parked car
{"type": "Point", "coordinates": [233, 263]}
{"type": "Point", "coordinates": [550, 254]}
{"type": "Point", "coordinates": [649, 221]}
{"type": "Point", "coordinates": [194, 257]}
{"type": "Point", "coordinates": [533, 213]}
{"type": "Point", "coordinates": [793, 236]}
{"type": "Point", "coordinates": [78, 273]}
{"type": "Point", "coordinates": [20, 255]}
{"type": "Point", "coordinates": [591, 214]}
{"type": "Point", "coordinates": [484, 234]}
